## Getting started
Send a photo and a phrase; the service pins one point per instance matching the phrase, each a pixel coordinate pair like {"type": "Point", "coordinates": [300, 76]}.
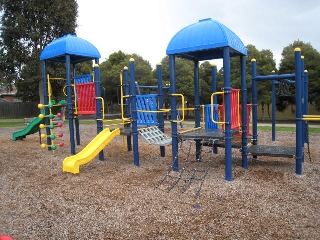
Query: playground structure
{"type": "Point", "coordinates": [144, 113]}
{"type": "Point", "coordinates": [300, 79]}
{"type": "Point", "coordinates": [213, 40]}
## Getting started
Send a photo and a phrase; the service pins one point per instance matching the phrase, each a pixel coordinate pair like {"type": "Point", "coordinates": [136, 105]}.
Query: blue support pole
{"type": "Point", "coordinates": [196, 82]}
{"type": "Point", "coordinates": [244, 113]}
{"type": "Point", "coordinates": [174, 125]}
{"type": "Point", "coordinates": [161, 103]}
{"type": "Point", "coordinates": [304, 126]}
{"type": "Point", "coordinates": [76, 119]}
{"type": "Point", "coordinates": [306, 103]}
{"type": "Point", "coordinates": [197, 112]}
{"type": "Point", "coordinates": [214, 81]}
{"type": "Point", "coordinates": [227, 101]}
{"type": "Point", "coordinates": [70, 105]}
{"type": "Point", "coordinates": [306, 94]}
{"type": "Point", "coordinates": [254, 103]}
{"type": "Point", "coordinates": [134, 117]}
{"type": "Point", "coordinates": [77, 126]}
{"type": "Point", "coordinates": [299, 128]}
{"type": "Point", "coordinates": [273, 103]}
{"type": "Point", "coordinates": [213, 90]}
{"type": "Point", "coordinates": [99, 111]}
{"type": "Point", "coordinates": [127, 102]}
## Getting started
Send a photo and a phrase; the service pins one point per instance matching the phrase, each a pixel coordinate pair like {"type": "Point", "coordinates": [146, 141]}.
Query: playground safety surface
{"type": "Point", "coordinates": [113, 199]}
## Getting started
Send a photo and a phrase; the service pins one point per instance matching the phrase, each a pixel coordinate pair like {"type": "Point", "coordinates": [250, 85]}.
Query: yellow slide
{"type": "Point", "coordinates": [72, 164]}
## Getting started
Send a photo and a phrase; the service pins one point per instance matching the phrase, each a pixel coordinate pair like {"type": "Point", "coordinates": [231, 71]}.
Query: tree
{"type": "Point", "coordinates": [265, 65]}
{"type": "Point", "coordinates": [110, 73]}
{"type": "Point", "coordinates": [26, 28]}
{"type": "Point", "coordinates": [205, 82]}
{"type": "Point", "coordinates": [312, 59]}
{"type": "Point", "coordinates": [184, 77]}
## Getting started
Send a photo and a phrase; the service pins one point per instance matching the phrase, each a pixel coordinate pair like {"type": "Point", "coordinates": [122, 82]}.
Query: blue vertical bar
{"type": "Point", "coordinates": [244, 113]}
{"type": "Point", "coordinates": [161, 102]}
{"type": "Point", "coordinates": [299, 128]}
{"type": "Point", "coordinates": [174, 125]}
{"type": "Point", "coordinates": [196, 82]}
{"type": "Point", "coordinates": [76, 119]}
{"type": "Point", "coordinates": [306, 96]}
{"type": "Point", "coordinates": [214, 81]}
{"type": "Point", "coordinates": [227, 110]}
{"type": "Point", "coordinates": [213, 90]}
{"type": "Point", "coordinates": [306, 103]}
{"type": "Point", "coordinates": [77, 126]}
{"type": "Point", "coordinates": [304, 126]}
{"type": "Point", "coordinates": [70, 105]}
{"type": "Point", "coordinates": [98, 102]}
{"type": "Point", "coordinates": [134, 112]}
{"type": "Point", "coordinates": [254, 103]}
{"type": "Point", "coordinates": [127, 101]}
{"type": "Point", "coordinates": [273, 103]}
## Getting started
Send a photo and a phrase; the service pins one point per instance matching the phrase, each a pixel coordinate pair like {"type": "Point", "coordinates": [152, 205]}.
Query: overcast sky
{"type": "Point", "coordinates": [145, 27]}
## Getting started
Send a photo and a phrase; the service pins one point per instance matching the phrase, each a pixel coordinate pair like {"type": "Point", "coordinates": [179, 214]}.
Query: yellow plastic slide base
{"type": "Point", "coordinates": [72, 164]}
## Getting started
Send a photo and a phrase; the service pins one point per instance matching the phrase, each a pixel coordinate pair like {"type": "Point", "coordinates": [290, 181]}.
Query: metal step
{"type": "Point", "coordinates": [272, 151]}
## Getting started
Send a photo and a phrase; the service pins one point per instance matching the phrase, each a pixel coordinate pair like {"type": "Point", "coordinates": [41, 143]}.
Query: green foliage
{"type": "Point", "coordinates": [110, 73]}
{"type": "Point", "coordinates": [26, 28]}
{"type": "Point", "coordinates": [265, 65]}
{"type": "Point", "coordinates": [312, 59]}
{"type": "Point", "coordinates": [205, 82]}
{"type": "Point", "coordinates": [184, 78]}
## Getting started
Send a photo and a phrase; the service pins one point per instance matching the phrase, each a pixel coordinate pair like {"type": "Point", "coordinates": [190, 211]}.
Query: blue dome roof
{"type": "Point", "coordinates": [79, 50]}
{"type": "Point", "coordinates": [205, 40]}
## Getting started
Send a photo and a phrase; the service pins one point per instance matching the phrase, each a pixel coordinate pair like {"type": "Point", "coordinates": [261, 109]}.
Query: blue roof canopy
{"type": "Point", "coordinates": [79, 50]}
{"type": "Point", "coordinates": [205, 40]}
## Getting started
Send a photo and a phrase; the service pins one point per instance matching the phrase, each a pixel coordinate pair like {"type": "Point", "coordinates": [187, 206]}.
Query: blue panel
{"type": "Point", "coordinates": [85, 78]}
{"type": "Point", "coordinates": [79, 50]}
{"type": "Point", "coordinates": [147, 102]}
{"type": "Point", "coordinates": [204, 40]}
{"type": "Point", "coordinates": [207, 116]}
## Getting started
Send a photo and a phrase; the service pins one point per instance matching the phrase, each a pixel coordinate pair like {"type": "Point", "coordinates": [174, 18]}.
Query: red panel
{"type": "Point", "coordinates": [86, 98]}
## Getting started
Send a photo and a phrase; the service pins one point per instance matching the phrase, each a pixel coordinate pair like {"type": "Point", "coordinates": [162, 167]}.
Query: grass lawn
{"type": "Point", "coordinates": [20, 122]}
{"type": "Point", "coordinates": [11, 124]}
{"type": "Point", "coordinates": [287, 129]}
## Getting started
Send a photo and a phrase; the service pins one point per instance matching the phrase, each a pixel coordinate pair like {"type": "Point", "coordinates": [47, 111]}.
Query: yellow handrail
{"type": "Point", "coordinates": [190, 130]}
{"type": "Point", "coordinates": [102, 101]}
{"type": "Point", "coordinates": [63, 79]}
{"type": "Point", "coordinates": [182, 100]}
{"type": "Point", "coordinates": [151, 111]}
{"type": "Point", "coordinates": [311, 117]}
{"type": "Point", "coordinates": [212, 107]}
{"type": "Point", "coordinates": [165, 109]}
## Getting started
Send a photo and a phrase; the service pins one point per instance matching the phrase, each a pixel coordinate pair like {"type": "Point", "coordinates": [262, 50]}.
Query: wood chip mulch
{"type": "Point", "coordinates": [113, 199]}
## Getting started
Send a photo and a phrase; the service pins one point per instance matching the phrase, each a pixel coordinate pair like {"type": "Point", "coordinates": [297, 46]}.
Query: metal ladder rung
{"type": "Point", "coordinates": [154, 136]}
